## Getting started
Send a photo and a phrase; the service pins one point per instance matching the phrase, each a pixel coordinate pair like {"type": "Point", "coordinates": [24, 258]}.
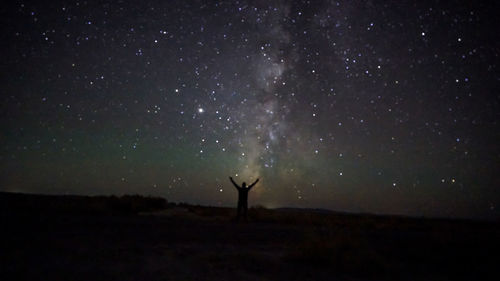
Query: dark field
{"type": "Point", "coordinates": [140, 238]}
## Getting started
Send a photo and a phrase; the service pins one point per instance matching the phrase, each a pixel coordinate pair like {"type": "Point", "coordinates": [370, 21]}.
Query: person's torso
{"type": "Point", "coordinates": [243, 193]}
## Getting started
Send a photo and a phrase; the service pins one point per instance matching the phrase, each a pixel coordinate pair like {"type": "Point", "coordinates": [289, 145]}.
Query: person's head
{"type": "Point", "coordinates": [244, 184]}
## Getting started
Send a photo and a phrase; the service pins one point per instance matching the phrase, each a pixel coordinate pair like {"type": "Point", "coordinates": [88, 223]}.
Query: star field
{"type": "Point", "coordinates": [387, 107]}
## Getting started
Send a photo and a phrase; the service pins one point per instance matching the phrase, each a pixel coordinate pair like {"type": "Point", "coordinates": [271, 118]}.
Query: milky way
{"type": "Point", "coordinates": [353, 106]}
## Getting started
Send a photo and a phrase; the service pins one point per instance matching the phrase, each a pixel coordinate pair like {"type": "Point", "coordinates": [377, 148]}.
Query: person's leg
{"type": "Point", "coordinates": [239, 211]}
{"type": "Point", "coordinates": [245, 210]}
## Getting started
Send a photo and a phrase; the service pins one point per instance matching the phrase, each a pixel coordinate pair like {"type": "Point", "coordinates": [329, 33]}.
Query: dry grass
{"type": "Point", "coordinates": [345, 251]}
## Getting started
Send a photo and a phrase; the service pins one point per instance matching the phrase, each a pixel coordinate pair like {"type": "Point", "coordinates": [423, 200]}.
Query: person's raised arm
{"type": "Point", "coordinates": [235, 185]}
{"type": "Point", "coordinates": [253, 184]}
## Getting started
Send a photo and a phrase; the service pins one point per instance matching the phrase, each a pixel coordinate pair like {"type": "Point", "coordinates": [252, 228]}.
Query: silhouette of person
{"type": "Point", "coordinates": [242, 197]}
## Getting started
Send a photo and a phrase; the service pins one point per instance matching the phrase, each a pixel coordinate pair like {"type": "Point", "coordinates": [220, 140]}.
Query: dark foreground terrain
{"type": "Point", "coordinates": [140, 238]}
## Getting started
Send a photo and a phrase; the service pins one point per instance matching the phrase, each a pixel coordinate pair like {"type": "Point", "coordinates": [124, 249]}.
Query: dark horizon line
{"type": "Point", "coordinates": [285, 208]}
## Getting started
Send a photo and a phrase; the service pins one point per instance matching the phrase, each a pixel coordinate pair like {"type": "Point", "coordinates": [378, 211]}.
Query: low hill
{"type": "Point", "coordinates": [76, 204]}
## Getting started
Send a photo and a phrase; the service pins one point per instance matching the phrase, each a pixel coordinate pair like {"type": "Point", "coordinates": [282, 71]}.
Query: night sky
{"type": "Point", "coordinates": [382, 107]}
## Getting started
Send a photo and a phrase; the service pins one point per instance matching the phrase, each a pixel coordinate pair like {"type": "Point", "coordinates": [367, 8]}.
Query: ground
{"type": "Point", "coordinates": [183, 242]}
